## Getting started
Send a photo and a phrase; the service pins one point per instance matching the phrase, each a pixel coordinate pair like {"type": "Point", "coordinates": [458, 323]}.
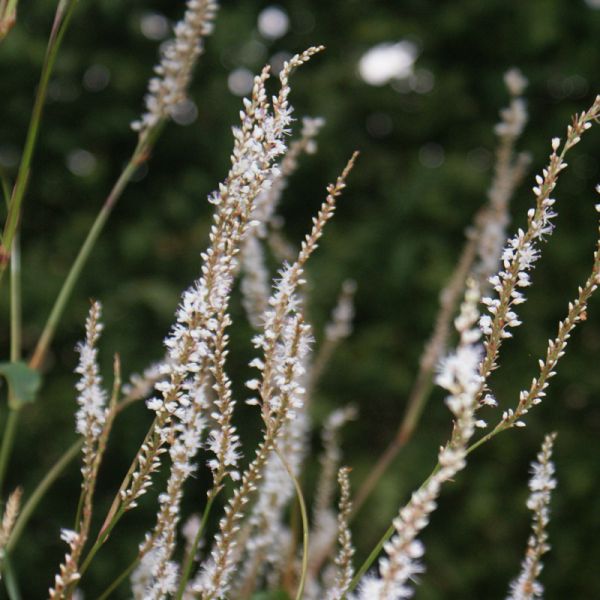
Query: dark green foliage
{"type": "Point", "coordinates": [398, 232]}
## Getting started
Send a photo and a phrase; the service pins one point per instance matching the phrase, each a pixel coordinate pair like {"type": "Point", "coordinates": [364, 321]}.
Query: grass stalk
{"type": "Point", "coordinates": [62, 17]}
{"type": "Point", "coordinates": [187, 567]}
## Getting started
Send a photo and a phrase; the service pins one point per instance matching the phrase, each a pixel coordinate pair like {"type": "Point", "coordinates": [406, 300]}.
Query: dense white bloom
{"type": "Point", "coordinates": [541, 484]}
{"type": "Point", "coordinates": [178, 56]}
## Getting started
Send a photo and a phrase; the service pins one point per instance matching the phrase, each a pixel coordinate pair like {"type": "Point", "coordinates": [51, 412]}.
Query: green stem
{"type": "Point", "coordinates": [101, 539]}
{"type": "Point", "coordinates": [15, 354]}
{"type": "Point", "coordinates": [117, 582]}
{"type": "Point", "coordinates": [304, 514]}
{"type": "Point", "coordinates": [139, 156]}
{"type": "Point", "coordinates": [69, 283]}
{"type": "Point", "coordinates": [31, 504]}
{"type": "Point", "coordinates": [64, 12]}
{"type": "Point", "coordinates": [187, 568]}
{"type": "Point", "coordinates": [12, 586]}
{"type": "Point", "coordinates": [15, 301]}
{"type": "Point", "coordinates": [390, 530]}
{"type": "Point", "coordinates": [8, 439]}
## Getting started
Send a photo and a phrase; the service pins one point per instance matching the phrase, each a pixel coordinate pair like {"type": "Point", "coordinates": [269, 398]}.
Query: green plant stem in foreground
{"type": "Point", "coordinates": [304, 515]}
{"type": "Point", "coordinates": [40, 491]}
{"type": "Point", "coordinates": [77, 267]}
{"type": "Point", "coordinates": [64, 12]}
{"type": "Point", "coordinates": [8, 438]}
{"type": "Point", "coordinates": [119, 580]}
{"type": "Point", "coordinates": [187, 567]}
{"type": "Point", "coordinates": [14, 410]}
{"type": "Point", "coordinates": [139, 156]}
{"type": "Point", "coordinates": [502, 426]}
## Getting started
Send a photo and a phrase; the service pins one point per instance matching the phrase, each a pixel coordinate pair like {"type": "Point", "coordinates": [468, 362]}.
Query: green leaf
{"type": "Point", "coordinates": [23, 383]}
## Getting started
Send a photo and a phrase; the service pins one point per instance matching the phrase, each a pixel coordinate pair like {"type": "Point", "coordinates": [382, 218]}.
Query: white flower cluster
{"type": "Point", "coordinates": [521, 253]}
{"type": "Point", "coordinates": [197, 343]}
{"type": "Point", "coordinates": [541, 484]}
{"type": "Point", "coordinates": [68, 574]}
{"type": "Point", "coordinates": [178, 57]}
{"type": "Point", "coordinates": [92, 412]}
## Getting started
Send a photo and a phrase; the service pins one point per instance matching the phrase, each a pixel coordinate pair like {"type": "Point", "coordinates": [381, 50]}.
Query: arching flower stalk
{"type": "Point", "coordinates": [343, 561]}
{"type": "Point", "coordinates": [284, 345]}
{"type": "Point", "coordinates": [197, 343]}
{"type": "Point", "coordinates": [459, 374]}
{"type": "Point", "coordinates": [168, 89]}
{"type": "Point", "coordinates": [522, 251]}
{"type": "Point", "coordinates": [541, 484]}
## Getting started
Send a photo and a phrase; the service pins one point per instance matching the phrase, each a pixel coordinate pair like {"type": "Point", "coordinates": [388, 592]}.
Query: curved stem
{"type": "Point", "coordinates": [77, 267]}
{"type": "Point", "coordinates": [390, 530]}
{"type": "Point", "coordinates": [119, 580]}
{"type": "Point", "coordinates": [31, 504]}
{"type": "Point", "coordinates": [102, 537]}
{"type": "Point", "coordinates": [304, 515]}
{"type": "Point", "coordinates": [187, 568]}
{"type": "Point", "coordinates": [8, 438]}
{"type": "Point", "coordinates": [64, 12]}
{"type": "Point", "coordinates": [139, 156]}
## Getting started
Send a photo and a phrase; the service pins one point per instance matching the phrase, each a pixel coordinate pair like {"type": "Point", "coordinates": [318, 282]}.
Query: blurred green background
{"type": "Point", "coordinates": [426, 142]}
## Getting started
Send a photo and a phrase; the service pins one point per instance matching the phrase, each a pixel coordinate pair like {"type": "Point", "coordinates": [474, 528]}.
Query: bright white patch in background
{"type": "Point", "coordinates": [96, 78]}
{"type": "Point", "coordinates": [240, 81]}
{"type": "Point", "coordinates": [593, 3]}
{"type": "Point", "coordinates": [81, 162]}
{"type": "Point", "coordinates": [385, 62]}
{"type": "Point", "coordinates": [273, 22]}
{"type": "Point", "coordinates": [431, 155]}
{"type": "Point", "coordinates": [421, 81]}
{"type": "Point", "coordinates": [185, 113]}
{"type": "Point", "coordinates": [154, 26]}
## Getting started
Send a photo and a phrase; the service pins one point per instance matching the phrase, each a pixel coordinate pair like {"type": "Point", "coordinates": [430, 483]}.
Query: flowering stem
{"type": "Point", "coordinates": [421, 389]}
{"type": "Point", "coordinates": [63, 14]}
{"type": "Point", "coordinates": [187, 568]}
{"type": "Point", "coordinates": [391, 529]}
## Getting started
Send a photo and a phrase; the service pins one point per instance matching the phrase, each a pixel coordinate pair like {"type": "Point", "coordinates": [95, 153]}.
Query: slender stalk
{"type": "Point", "coordinates": [421, 389]}
{"type": "Point", "coordinates": [12, 586]}
{"type": "Point", "coordinates": [119, 580]}
{"type": "Point", "coordinates": [8, 438]}
{"type": "Point", "coordinates": [138, 157]}
{"type": "Point", "coordinates": [39, 492]}
{"type": "Point", "coordinates": [44, 485]}
{"type": "Point", "coordinates": [304, 515]}
{"type": "Point", "coordinates": [64, 12]}
{"type": "Point", "coordinates": [15, 354]}
{"type": "Point", "coordinates": [102, 537]}
{"type": "Point", "coordinates": [77, 267]}
{"type": "Point", "coordinates": [502, 426]}
{"type": "Point", "coordinates": [187, 567]}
